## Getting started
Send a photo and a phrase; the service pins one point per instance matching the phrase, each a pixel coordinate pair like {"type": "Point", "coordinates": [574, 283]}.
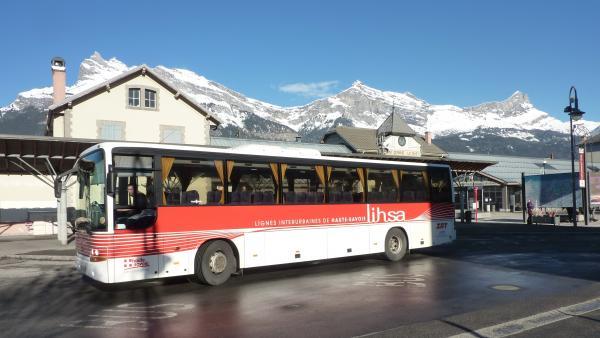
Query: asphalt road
{"type": "Point", "coordinates": [494, 280]}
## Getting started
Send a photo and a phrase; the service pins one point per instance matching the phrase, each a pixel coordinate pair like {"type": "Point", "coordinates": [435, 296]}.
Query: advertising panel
{"type": "Point", "coordinates": [595, 189]}
{"type": "Point", "coordinates": [552, 190]}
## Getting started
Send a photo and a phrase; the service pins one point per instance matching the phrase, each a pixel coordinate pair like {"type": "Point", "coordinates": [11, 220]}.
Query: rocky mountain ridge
{"type": "Point", "coordinates": [512, 122]}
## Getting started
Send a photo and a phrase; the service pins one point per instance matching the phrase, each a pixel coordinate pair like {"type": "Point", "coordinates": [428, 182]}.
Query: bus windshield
{"type": "Point", "coordinates": [91, 203]}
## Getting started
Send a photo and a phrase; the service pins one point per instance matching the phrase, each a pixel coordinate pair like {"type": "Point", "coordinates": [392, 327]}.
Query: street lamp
{"type": "Point", "coordinates": [574, 114]}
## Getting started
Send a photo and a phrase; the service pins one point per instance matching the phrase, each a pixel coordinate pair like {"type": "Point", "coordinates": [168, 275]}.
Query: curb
{"type": "Point", "coordinates": [41, 258]}
{"type": "Point", "coordinates": [14, 238]}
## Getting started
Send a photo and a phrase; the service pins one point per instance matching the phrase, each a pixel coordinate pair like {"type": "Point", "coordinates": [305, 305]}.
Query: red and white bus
{"type": "Point", "coordinates": [153, 210]}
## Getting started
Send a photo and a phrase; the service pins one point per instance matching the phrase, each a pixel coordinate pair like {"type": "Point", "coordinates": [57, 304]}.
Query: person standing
{"type": "Point", "coordinates": [529, 212]}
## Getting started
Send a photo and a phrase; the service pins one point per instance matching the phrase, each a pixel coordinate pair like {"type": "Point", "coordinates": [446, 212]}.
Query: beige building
{"type": "Point", "coordinates": [137, 105]}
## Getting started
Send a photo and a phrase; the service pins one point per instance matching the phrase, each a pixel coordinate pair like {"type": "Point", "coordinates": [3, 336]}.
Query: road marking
{"type": "Point", "coordinates": [528, 323]}
{"type": "Point", "coordinates": [129, 316]}
{"type": "Point", "coordinates": [505, 287]}
{"type": "Point", "coordinates": [106, 324]}
{"type": "Point", "coordinates": [397, 279]}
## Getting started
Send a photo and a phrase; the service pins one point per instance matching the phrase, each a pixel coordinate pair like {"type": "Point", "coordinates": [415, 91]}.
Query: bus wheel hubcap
{"type": "Point", "coordinates": [395, 244]}
{"type": "Point", "coordinates": [218, 262]}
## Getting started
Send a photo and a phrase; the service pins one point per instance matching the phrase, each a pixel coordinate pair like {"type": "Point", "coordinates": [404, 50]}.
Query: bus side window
{"type": "Point", "coordinates": [252, 183]}
{"type": "Point", "coordinates": [346, 185]}
{"type": "Point", "coordinates": [382, 185]}
{"type": "Point", "coordinates": [440, 185]}
{"type": "Point", "coordinates": [193, 182]}
{"type": "Point", "coordinates": [414, 186]}
{"type": "Point", "coordinates": [303, 184]}
{"type": "Point", "coordinates": [134, 199]}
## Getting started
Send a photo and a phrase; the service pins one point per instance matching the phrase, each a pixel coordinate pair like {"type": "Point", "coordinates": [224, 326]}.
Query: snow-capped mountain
{"type": "Point", "coordinates": [92, 71]}
{"type": "Point", "coordinates": [513, 121]}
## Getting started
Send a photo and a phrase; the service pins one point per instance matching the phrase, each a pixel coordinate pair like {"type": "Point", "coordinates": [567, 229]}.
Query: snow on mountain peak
{"type": "Point", "coordinates": [97, 69]}
{"type": "Point", "coordinates": [519, 96]}
{"type": "Point", "coordinates": [358, 105]}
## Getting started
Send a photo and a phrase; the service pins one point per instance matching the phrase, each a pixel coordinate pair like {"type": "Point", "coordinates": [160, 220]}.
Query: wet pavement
{"type": "Point", "coordinates": [491, 275]}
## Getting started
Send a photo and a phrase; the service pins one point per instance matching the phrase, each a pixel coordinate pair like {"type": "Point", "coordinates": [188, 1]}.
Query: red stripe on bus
{"type": "Point", "coordinates": [187, 227]}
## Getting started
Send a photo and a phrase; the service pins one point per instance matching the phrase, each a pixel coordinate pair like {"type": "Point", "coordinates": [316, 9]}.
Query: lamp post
{"type": "Point", "coordinates": [584, 133]}
{"type": "Point", "coordinates": [544, 170]}
{"type": "Point", "coordinates": [574, 114]}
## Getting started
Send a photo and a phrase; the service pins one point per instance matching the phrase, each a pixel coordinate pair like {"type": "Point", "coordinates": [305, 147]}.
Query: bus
{"type": "Point", "coordinates": [147, 211]}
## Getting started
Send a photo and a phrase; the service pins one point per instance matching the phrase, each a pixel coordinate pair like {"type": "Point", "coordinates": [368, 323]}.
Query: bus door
{"type": "Point", "coordinates": [135, 245]}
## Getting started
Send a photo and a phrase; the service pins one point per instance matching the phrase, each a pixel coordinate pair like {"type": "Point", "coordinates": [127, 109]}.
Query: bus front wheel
{"type": "Point", "coordinates": [215, 262]}
{"type": "Point", "coordinates": [396, 244]}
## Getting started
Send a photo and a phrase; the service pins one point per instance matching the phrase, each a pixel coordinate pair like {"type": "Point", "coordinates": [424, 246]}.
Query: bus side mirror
{"type": "Point", "coordinates": [81, 188]}
{"type": "Point", "coordinates": [111, 179]}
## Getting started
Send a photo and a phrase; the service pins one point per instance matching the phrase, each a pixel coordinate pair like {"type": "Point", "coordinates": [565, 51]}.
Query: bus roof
{"type": "Point", "coordinates": [256, 149]}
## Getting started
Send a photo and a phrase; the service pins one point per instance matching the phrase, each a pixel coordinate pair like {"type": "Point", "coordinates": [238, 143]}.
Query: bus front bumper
{"type": "Point", "coordinates": [95, 270]}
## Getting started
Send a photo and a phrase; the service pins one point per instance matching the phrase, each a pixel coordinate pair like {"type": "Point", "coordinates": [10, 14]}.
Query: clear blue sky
{"type": "Point", "coordinates": [446, 52]}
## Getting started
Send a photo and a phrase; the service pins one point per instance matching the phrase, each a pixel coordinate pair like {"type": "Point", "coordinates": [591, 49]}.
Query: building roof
{"type": "Point", "coordinates": [508, 169]}
{"type": "Point", "coordinates": [55, 109]}
{"type": "Point", "coordinates": [395, 125]}
{"type": "Point", "coordinates": [362, 140]}
{"type": "Point", "coordinates": [429, 149]}
{"type": "Point", "coordinates": [358, 139]}
{"type": "Point", "coordinates": [593, 139]}
{"type": "Point", "coordinates": [230, 142]}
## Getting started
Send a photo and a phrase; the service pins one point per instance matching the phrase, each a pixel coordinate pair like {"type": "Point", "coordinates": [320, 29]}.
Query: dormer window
{"type": "Point", "coordinates": [134, 97]}
{"type": "Point", "coordinates": [149, 98]}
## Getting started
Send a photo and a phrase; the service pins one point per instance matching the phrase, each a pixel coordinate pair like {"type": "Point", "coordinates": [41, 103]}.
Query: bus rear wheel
{"type": "Point", "coordinates": [215, 262]}
{"type": "Point", "coordinates": [396, 245]}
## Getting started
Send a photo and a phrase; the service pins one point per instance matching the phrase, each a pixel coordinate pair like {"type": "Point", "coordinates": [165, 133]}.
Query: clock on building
{"type": "Point", "coordinates": [401, 141]}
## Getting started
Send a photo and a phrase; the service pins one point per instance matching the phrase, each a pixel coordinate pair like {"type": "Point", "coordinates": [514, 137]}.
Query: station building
{"type": "Point", "coordinates": [592, 150]}
{"type": "Point", "coordinates": [499, 185]}
{"type": "Point", "coordinates": [498, 179]}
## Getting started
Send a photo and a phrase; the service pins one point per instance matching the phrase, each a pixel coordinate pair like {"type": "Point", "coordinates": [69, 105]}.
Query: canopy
{"type": "Point", "coordinates": [23, 154]}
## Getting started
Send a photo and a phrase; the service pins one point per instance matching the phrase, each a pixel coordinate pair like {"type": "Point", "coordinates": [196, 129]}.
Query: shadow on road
{"type": "Point", "coordinates": [562, 251]}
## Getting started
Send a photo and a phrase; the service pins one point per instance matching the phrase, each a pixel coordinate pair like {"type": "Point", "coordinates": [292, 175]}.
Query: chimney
{"type": "Point", "coordinates": [428, 137]}
{"type": "Point", "coordinates": [59, 79]}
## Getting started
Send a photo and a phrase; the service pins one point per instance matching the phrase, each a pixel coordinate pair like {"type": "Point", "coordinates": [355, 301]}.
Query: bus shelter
{"type": "Point", "coordinates": [44, 158]}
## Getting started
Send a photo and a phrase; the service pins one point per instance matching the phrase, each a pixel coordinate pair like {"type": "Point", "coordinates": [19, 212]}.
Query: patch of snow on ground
{"type": "Point", "coordinates": [523, 135]}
